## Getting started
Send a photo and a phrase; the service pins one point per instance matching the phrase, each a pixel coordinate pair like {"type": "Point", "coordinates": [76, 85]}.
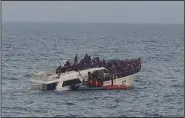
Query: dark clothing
{"type": "Point", "coordinates": [63, 69]}
{"type": "Point", "coordinates": [76, 59]}
{"type": "Point", "coordinates": [58, 70]}
{"type": "Point", "coordinates": [67, 65]}
{"type": "Point", "coordinates": [117, 67]}
{"type": "Point", "coordinates": [103, 62]}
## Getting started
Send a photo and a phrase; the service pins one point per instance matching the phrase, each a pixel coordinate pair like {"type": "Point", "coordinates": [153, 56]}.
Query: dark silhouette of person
{"type": "Point", "coordinates": [67, 65]}
{"type": "Point", "coordinates": [76, 59]}
{"type": "Point", "coordinates": [59, 69]}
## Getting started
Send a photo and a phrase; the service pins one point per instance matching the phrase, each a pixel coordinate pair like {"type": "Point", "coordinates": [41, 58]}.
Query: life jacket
{"type": "Point", "coordinates": [93, 82]}
{"type": "Point", "coordinates": [90, 82]}
{"type": "Point", "coordinates": [96, 83]}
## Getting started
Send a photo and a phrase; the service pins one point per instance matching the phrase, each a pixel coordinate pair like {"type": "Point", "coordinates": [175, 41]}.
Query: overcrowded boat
{"type": "Point", "coordinates": [89, 74]}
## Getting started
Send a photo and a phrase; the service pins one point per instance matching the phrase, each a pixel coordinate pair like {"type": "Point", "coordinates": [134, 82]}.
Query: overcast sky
{"type": "Point", "coordinates": [170, 12]}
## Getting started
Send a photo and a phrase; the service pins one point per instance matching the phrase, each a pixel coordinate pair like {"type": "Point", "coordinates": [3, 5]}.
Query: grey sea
{"type": "Point", "coordinates": [31, 47]}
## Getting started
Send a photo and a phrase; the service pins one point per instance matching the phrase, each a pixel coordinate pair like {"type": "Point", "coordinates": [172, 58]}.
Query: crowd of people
{"type": "Point", "coordinates": [119, 68]}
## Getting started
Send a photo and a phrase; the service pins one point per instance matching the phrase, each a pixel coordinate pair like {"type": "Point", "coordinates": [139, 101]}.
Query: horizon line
{"type": "Point", "coordinates": [83, 22]}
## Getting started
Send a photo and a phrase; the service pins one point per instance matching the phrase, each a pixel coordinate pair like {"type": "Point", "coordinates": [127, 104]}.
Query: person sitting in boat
{"type": "Point", "coordinates": [100, 82]}
{"type": "Point", "coordinates": [93, 63]}
{"type": "Point", "coordinates": [63, 69]}
{"type": "Point", "coordinates": [96, 62]}
{"type": "Point", "coordinates": [76, 59]}
{"type": "Point", "coordinates": [67, 65]}
{"type": "Point", "coordinates": [89, 62]}
{"type": "Point", "coordinates": [96, 83]}
{"type": "Point", "coordinates": [103, 63]}
{"type": "Point", "coordinates": [59, 70]}
{"type": "Point", "coordinates": [90, 82]}
{"type": "Point", "coordinates": [139, 64]}
{"type": "Point", "coordinates": [86, 58]}
{"type": "Point", "coordinates": [79, 65]}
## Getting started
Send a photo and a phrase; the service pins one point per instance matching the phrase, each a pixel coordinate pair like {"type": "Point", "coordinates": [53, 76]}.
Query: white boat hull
{"type": "Point", "coordinates": [127, 81]}
{"type": "Point", "coordinates": [43, 80]}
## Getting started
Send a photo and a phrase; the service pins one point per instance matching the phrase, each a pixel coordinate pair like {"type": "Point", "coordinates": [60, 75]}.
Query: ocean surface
{"type": "Point", "coordinates": [32, 47]}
